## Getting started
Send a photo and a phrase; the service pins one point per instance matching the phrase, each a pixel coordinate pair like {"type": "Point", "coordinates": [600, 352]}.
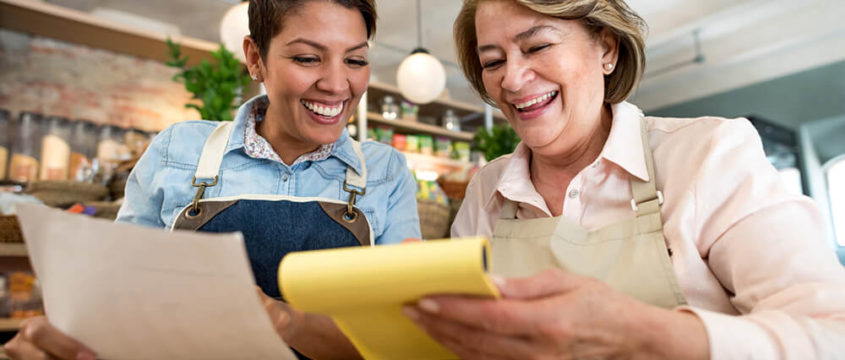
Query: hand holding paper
{"type": "Point", "coordinates": [363, 290]}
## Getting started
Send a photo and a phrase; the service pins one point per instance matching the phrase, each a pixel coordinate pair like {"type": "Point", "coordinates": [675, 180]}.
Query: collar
{"type": "Point", "coordinates": [624, 147]}
{"type": "Point", "coordinates": [342, 148]}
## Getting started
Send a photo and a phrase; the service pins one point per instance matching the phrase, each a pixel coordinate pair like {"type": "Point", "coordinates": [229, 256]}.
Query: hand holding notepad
{"type": "Point", "coordinates": [363, 290]}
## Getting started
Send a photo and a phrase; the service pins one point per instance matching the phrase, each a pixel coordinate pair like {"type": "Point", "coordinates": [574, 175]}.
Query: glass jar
{"type": "Point", "coordinates": [5, 141]}
{"type": "Point", "coordinates": [451, 121]}
{"type": "Point", "coordinates": [389, 108]}
{"type": "Point", "coordinates": [110, 150]}
{"type": "Point", "coordinates": [83, 151]}
{"type": "Point", "coordinates": [55, 149]}
{"type": "Point", "coordinates": [26, 149]}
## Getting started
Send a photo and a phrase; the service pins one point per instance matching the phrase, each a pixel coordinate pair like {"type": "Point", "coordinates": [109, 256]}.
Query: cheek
{"type": "Point", "coordinates": [358, 81]}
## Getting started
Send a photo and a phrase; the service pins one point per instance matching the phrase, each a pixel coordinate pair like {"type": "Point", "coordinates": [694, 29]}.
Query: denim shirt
{"type": "Point", "coordinates": [160, 184]}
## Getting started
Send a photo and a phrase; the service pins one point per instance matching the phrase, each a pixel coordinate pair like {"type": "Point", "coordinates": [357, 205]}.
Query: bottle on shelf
{"type": "Point", "coordinates": [26, 149]}
{"type": "Point", "coordinates": [389, 108]}
{"type": "Point", "coordinates": [55, 149]}
{"type": "Point", "coordinates": [451, 121]}
{"type": "Point", "coordinates": [5, 141]}
{"type": "Point", "coordinates": [83, 147]}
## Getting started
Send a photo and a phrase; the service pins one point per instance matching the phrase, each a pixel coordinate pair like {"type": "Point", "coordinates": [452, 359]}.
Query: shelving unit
{"type": "Point", "coordinates": [10, 324]}
{"type": "Point", "coordinates": [60, 23]}
{"type": "Point", "coordinates": [14, 250]}
{"type": "Point", "coordinates": [410, 126]}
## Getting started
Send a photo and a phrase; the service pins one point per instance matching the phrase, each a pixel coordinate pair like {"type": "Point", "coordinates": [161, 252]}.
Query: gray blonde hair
{"type": "Point", "coordinates": [596, 15]}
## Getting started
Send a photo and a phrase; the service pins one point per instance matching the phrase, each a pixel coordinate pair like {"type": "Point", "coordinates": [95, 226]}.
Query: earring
{"type": "Point", "coordinates": [608, 66]}
{"type": "Point", "coordinates": [254, 77]}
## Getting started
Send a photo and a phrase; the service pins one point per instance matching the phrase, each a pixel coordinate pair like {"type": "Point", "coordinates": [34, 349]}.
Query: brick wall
{"type": "Point", "coordinates": [78, 82]}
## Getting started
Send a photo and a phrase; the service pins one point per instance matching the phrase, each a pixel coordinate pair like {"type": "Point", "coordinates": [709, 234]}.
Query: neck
{"type": "Point", "coordinates": [288, 147]}
{"type": "Point", "coordinates": [551, 169]}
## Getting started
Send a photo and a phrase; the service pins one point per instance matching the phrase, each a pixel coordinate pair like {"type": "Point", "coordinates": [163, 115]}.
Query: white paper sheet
{"type": "Point", "coordinates": [130, 292]}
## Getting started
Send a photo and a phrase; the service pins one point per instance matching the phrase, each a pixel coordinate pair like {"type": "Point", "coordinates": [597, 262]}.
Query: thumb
{"type": "Point", "coordinates": [547, 283]}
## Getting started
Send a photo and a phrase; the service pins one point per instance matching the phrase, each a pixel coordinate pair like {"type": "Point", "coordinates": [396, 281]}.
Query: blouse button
{"type": "Point", "coordinates": [285, 178]}
{"type": "Point", "coordinates": [573, 193]}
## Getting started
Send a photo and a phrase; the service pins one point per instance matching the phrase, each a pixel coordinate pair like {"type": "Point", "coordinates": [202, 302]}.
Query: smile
{"type": "Point", "coordinates": [536, 102]}
{"type": "Point", "coordinates": [324, 110]}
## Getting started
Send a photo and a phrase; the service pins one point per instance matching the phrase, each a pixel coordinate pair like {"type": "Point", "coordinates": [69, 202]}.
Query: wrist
{"type": "Point", "coordinates": [668, 334]}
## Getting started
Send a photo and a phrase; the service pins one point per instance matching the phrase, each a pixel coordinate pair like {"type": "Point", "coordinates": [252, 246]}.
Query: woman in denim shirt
{"type": "Point", "coordinates": [284, 172]}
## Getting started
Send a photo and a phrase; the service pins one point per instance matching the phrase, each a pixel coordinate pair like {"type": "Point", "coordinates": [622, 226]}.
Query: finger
{"type": "Point", "coordinates": [470, 342]}
{"type": "Point", "coordinates": [278, 312]}
{"type": "Point", "coordinates": [547, 283]}
{"type": "Point", "coordinates": [23, 350]}
{"type": "Point", "coordinates": [502, 316]}
{"type": "Point", "coordinates": [410, 240]}
{"type": "Point", "coordinates": [43, 335]}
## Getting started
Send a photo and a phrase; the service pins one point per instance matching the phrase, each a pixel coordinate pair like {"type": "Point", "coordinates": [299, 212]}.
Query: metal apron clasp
{"type": "Point", "coordinates": [195, 205]}
{"type": "Point", "coordinates": [351, 216]}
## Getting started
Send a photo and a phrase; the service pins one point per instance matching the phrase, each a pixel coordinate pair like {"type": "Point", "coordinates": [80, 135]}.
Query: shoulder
{"type": "Point", "coordinates": [704, 137]}
{"type": "Point", "coordinates": [182, 142]}
{"type": "Point", "coordinates": [384, 163]}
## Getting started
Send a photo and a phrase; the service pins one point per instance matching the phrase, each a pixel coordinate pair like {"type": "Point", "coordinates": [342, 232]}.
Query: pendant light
{"type": "Point", "coordinates": [233, 27]}
{"type": "Point", "coordinates": [421, 77]}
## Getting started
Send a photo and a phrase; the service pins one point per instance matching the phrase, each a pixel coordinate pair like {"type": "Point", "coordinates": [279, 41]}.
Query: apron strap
{"type": "Point", "coordinates": [352, 177]}
{"type": "Point", "coordinates": [646, 198]}
{"type": "Point", "coordinates": [212, 152]}
{"type": "Point", "coordinates": [358, 181]}
{"type": "Point", "coordinates": [508, 211]}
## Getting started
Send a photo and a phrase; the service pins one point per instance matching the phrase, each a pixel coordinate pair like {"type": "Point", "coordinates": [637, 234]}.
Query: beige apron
{"type": "Point", "coordinates": [631, 256]}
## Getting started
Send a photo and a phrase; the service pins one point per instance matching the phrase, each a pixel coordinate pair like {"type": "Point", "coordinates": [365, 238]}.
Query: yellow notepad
{"type": "Point", "coordinates": [363, 290]}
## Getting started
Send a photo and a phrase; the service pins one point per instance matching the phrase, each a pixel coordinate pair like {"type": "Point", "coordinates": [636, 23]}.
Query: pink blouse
{"type": "Point", "coordinates": [751, 258]}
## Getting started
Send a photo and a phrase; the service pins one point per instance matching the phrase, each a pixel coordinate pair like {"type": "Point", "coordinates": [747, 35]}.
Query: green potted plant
{"type": "Point", "coordinates": [218, 86]}
{"type": "Point", "coordinates": [500, 141]}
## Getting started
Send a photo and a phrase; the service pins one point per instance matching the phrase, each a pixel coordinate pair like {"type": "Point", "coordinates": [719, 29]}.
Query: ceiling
{"type": "Point", "coordinates": [742, 42]}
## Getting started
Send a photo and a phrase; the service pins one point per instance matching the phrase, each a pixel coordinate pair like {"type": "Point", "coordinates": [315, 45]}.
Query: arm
{"type": "Point", "coordinates": [402, 220]}
{"type": "Point", "coordinates": [768, 249]}
{"type": "Point", "coordinates": [142, 197]}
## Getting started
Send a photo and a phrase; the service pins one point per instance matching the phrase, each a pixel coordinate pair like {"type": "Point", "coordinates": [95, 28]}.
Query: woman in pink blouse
{"type": "Point", "coordinates": [666, 238]}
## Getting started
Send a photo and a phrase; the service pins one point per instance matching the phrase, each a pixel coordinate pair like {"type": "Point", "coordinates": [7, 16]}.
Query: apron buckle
{"type": "Point", "coordinates": [195, 205]}
{"type": "Point", "coordinates": [351, 216]}
{"type": "Point", "coordinates": [659, 201]}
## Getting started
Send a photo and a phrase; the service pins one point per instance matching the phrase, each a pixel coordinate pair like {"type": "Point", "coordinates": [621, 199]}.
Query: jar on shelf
{"type": "Point", "coordinates": [410, 111]}
{"type": "Point", "coordinates": [111, 149]}
{"type": "Point", "coordinates": [451, 121]}
{"type": "Point", "coordinates": [55, 149]}
{"type": "Point", "coordinates": [5, 141]}
{"type": "Point", "coordinates": [26, 147]}
{"type": "Point", "coordinates": [83, 151]}
{"type": "Point", "coordinates": [389, 108]}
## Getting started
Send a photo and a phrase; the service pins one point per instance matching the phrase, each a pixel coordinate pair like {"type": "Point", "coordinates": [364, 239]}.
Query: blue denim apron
{"type": "Point", "coordinates": [275, 225]}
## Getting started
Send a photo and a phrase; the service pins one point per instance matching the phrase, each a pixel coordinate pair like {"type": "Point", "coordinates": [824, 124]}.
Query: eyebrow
{"type": "Point", "coordinates": [519, 37]}
{"type": "Point", "coordinates": [322, 47]}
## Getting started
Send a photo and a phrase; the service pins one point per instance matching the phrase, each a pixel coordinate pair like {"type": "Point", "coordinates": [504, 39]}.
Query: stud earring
{"type": "Point", "coordinates": [254, 77]}
{"type": "Point", "coordinates": [608, 66]}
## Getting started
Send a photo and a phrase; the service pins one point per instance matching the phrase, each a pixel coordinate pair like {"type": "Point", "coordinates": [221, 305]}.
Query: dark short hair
{"type": "Point", "coordinates": [266, 18]}
{"type": "Point", "coordinates": [614, 15]}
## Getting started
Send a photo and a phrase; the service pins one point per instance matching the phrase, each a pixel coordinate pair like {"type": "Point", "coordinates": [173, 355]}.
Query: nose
{"type": "Point", "coordinates": [334, 79]}
{"type": "Point", "coordinates": [517, 74]}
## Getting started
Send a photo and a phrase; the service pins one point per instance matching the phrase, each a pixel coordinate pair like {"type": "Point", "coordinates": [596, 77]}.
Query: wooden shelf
{"type": "Point", "coordinates": [60, 23]}
{"type": "Point", "coordinates": [10, 324]}
{"type": "Point", "coordinates": [18, 250]}
{"type": "Point", "coordinates": [377, 119]}
{"type": "Point", "coordinates": [467, 112]}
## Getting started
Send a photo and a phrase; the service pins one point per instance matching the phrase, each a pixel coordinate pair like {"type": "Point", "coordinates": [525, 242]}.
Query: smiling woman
{"type": "Point", "coordinates": [284, 173]}
{"type": "Point", "coordinates": [622, 235]}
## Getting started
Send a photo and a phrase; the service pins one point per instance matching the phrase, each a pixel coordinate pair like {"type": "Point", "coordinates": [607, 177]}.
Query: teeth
{"type": "Point", "coordinates": [535, 100]}
{"type": "Point", "coordinates": [323, 110]}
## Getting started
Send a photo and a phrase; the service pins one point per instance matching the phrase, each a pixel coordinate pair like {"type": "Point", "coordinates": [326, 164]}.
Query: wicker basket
{"type": "Point", "coordinates": [434, 219]}
{"type": "Point", "coordinates": [63, 193]}
{"type": "Point", "coordinates": [10, 230]}
{"type": "Point", "coordinates": [453, 189]}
